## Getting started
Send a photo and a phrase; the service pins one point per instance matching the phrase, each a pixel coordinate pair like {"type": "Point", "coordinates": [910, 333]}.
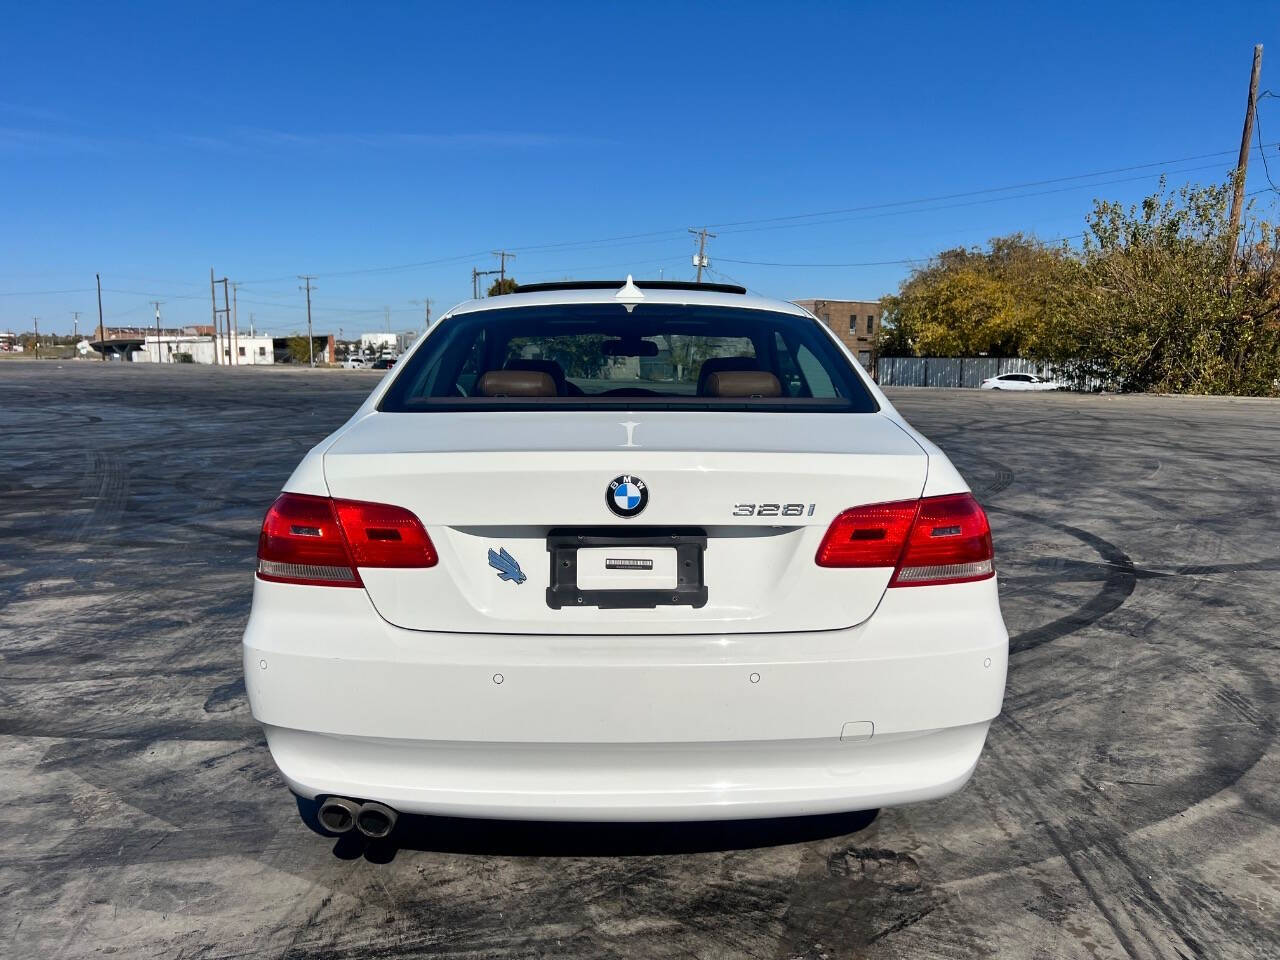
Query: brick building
{"type": "Point", "coordinates": [856, 322]}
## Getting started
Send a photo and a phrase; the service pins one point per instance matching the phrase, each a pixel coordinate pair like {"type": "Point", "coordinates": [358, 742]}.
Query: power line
{"type": "Point", "coordinates": [872, 263]}
{"type": "Point", "coordinates": [43, 293]}
{"type": "Point", "coordinates": [1266, 168]}
{"type": "Point", "coordinates": [724, 276]}
{"type": "Point", "coordinates": [802, 216]}
{"type": "Point", "coordinates": [901, 261]}
{"type": "Point", "coordinates": [888, 208]}
{"type": "Point", "coordinates": [985, 190]}
{"type": "Point", "coordinates": [864, 263]}
{"type": "Point", "coordinates": [955, 206]}
{"type": "Point", "coordinates": [603, 266]}
{"type": "Point", "coordinates": [364, 270]}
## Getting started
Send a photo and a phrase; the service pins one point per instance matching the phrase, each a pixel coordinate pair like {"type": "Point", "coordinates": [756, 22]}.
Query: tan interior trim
{"type": "Point", "coordinates": [516, 383]}
{"type": "Point", "coordinates": [744, 383]}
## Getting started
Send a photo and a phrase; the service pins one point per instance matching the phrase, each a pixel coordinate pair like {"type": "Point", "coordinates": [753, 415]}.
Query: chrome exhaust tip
{"type": "Point", "coordinates": [338, 814]}
{"type": "Point", "coordinates": [375, 819]}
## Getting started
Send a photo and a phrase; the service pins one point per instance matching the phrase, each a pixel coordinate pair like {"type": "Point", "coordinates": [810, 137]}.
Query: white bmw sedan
{"type": "Point", "coordinates": [1020, 381]}
{"type": "Point", "coordinates": [607, 551]}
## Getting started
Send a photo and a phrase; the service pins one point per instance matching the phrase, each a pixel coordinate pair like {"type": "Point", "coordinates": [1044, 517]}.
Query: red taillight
{"type": "Point", "coordinates": [380, 535]}
{"type": "Point", "coordinates": [320, 542]}
{"type": "Point", "coordinates": [870, 536]}
{"type": "Point", "coordinates": [950, 542]}
{"type": "Point", "coordinates": [301, 542]}
{"type": "Point", "coordinates": [930, 541]}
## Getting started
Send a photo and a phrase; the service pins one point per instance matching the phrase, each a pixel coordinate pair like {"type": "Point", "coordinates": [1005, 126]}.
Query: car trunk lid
{"type": "Point", "coordinates": [500, 492]}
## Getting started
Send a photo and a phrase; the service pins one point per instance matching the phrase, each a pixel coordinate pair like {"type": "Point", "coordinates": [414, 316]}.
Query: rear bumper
{"type": "Point", "coordinates": [668, 781]}
{"type": "Point", "coordinates": [626, 727]}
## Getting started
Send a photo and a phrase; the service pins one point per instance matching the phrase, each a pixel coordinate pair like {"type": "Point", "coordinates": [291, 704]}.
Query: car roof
{"type": "Point", "coordinates": [683, 297]}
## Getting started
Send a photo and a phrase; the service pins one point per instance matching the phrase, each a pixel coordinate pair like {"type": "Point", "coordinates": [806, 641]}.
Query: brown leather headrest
{"type": "Point", "coordinates": [516, 383]}
{"type": "Point", "coordinates": [744, 383]}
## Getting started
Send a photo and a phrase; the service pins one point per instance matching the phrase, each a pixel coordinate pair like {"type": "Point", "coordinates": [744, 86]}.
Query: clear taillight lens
{"type": "Point", "coordinates": [320, 542]}
{"type": "Point", "coordinates": [931, 541]}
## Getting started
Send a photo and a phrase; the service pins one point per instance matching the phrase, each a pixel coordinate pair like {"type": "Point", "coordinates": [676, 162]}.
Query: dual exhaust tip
{"type": "Point", "coordinates": [373, 819]}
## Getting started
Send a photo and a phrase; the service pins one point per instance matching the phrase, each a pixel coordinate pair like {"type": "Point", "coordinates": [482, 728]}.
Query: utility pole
{"type": "Point", "coordinates": [426, 305]}
{"type": "Point", "coordinates": [36, 323]}
{"type": "Point", "coordinates": [475, 275]}
{"type": "Point", "coordinates": [1242, 165]}
{"type": "Point", "coordinates": [386, 315]}
{"type": "Point", "coordinates": [311, 352]}
{"type": "Point", "coordinates": [235, 326]}
{"type": "Point", "coordinates": [700, 258]}
{"type": "Point", "coordinates": [156, 304]}
{"type": "Point", "coordinates": [101, 330]}
{"type": "Point", "coordinates": [502, 256]}
{"type": "Point", "coordinates": [75, 324]}
{"type": "Point", "coordinates": [226, 316]}
{"type": "Point", "coordinates": [213, 296]}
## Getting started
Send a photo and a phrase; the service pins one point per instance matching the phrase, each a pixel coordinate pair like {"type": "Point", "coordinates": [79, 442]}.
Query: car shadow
{"type": "Point", "coordinates": [522, 838]}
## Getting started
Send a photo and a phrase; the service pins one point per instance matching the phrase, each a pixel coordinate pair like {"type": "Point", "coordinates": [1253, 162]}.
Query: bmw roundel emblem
{"type": "Point", "coordinates": [627, 495]}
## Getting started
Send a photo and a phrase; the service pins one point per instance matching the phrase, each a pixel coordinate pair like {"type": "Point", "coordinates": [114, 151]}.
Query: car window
{"type": "Point", "coordinates": [599, 355]}
{"type": "Point", "coordinates": [670, 362]}
{"type": "Point", "coordinates": [815, 374]}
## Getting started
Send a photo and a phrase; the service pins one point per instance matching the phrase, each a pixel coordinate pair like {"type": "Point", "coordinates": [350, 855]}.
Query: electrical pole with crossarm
{"type": "Point", "coordinates": [475, 277]}
{"type": "Point", "coordinates": [700, 258]}
{"type": "Point", "coordinates": [311, 353]}
{"type": "Point", "coordinates": [503, 256]}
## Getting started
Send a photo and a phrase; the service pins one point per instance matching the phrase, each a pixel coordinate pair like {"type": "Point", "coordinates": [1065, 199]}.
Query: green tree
{"type": "Point", "coordinates": [1163, 298]}
{"type": "Point", "coordinates": [298, 351]}
{"type": "Point", "coordinates": [503, 285]}
{"type": "Point", "coordinates": [969, 302]}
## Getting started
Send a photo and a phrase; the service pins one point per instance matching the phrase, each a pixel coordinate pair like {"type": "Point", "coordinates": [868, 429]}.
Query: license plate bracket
{"type": "Point", "coordinates": [689, 543]}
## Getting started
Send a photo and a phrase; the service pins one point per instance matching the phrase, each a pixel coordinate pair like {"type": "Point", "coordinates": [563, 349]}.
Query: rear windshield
{"type": "Point", "coordinates": [600, 357]}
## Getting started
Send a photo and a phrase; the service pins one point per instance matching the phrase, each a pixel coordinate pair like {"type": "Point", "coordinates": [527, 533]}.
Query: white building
{"type": "Point", "coordinates": [248, 350]}
{"type": "Point", "coordinates": [373, 344]}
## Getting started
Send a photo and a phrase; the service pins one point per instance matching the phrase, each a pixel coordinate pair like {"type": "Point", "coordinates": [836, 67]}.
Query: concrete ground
{"type": "Point", "coordinates": [1127, 803]}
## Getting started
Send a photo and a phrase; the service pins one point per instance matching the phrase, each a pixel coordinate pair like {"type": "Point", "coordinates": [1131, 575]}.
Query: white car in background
{"type": "Point", "coordinates": [1020, 381]}
{"type": "Point", "coordinates": [624, 551]}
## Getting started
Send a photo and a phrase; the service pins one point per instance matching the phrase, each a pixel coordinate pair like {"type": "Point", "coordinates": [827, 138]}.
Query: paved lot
{"type": "Point", "coordinates": [1127, 803]}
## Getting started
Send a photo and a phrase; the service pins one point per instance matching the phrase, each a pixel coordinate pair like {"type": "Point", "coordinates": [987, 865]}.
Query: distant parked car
{"type": "Point", "coordinates": [355, 362]}
{"type": "Point", "coordinates": [383, 363]}
{"type": "Point", "coordinates": [1020, 381]}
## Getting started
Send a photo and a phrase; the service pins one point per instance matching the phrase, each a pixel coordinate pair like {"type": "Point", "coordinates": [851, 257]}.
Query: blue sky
{"type": "Point", "coordinates": [150, 142]}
